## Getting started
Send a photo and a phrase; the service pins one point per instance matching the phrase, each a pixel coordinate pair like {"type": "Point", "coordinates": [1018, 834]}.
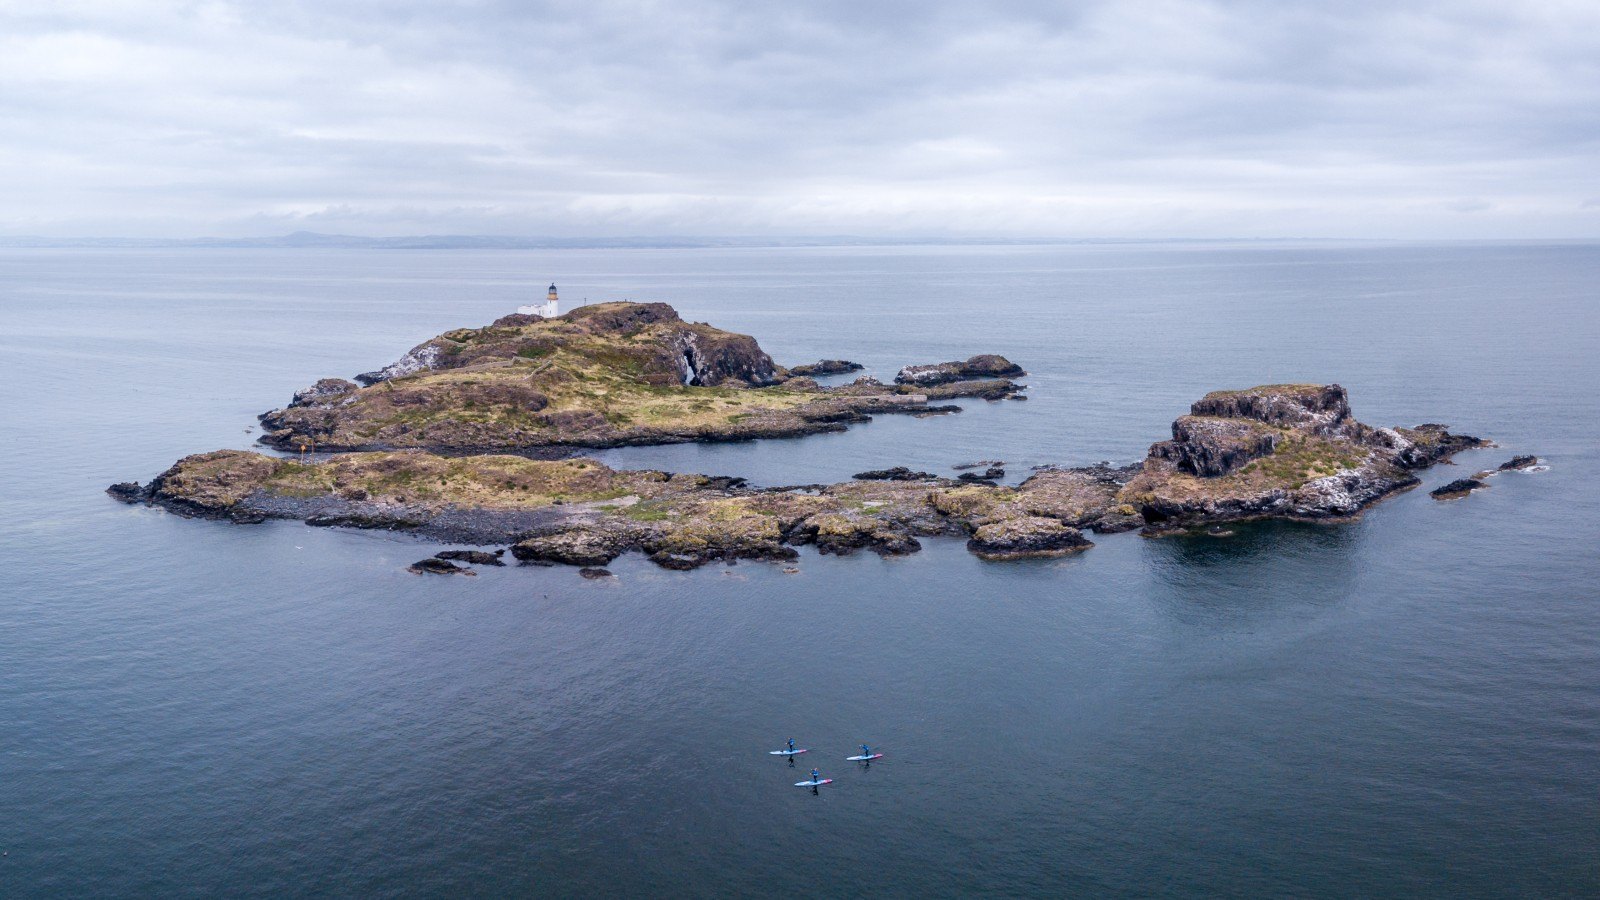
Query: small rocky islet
{"type": "Point", "coordinates": [468, 438]}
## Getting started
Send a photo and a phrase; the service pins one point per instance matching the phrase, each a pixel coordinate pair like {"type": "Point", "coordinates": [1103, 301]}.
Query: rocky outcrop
{"type": "Point", "coordinates": [1518, 463]}
{"type": "Point", "coordinates": [1208, 446]}
{"type": "Point", "coordinates": [987, 476]}
{"type": "Point", "coordinates": [826, 367]}
{"type": "Point", "coordinates": [982, 389]}
{"type": "Point", "coordinates": [324, 394]}
{"type": "Point", "coordinates": [844, 532]}
{"type": "Point", "coordinates": [1083, 497]}
{"type": "Point", "coordinates": [987, 365]}
{"type": "Point", "coordinates": [895, 473]}
{"type": "Point", "coordinates": [587, 547]}
{"type": "Point", "coordinates": [1315, 408]}
{"type": "Point", "coordinates": [1286, 451]}
{"type": "Point", "coordinates": [1026, 537]}
{"type": "Point", "coordinates": [1456, 489]}
{"type": "Point", "coordinates": [420, 358]}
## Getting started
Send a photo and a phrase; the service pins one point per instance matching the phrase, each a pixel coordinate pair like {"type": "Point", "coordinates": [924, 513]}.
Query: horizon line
{"type": "Point", "coordinates": [322, 240]}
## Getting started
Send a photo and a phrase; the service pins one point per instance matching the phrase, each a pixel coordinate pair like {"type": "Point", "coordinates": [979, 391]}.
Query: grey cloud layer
{"type": "Point", "coordinates": [1172, 117]}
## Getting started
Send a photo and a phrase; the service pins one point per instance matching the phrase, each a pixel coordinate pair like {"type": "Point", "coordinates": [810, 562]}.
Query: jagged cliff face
{"type": "Point", "coordinates": [1322, 409]}
{"type": "Point", "coordinates": [1207, 446]}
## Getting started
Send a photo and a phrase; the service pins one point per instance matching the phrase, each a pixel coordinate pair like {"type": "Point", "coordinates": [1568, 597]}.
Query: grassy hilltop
{"type": "Point", "coordinates": [601, 375]}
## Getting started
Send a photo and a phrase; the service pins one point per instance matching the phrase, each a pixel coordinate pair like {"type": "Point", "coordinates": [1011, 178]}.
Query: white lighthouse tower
{"type": "Point", "coordinates": [548, 308]}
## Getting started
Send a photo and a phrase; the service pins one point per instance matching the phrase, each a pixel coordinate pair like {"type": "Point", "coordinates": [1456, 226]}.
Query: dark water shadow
{"type": "Point", "coordinates": [1252, 572]}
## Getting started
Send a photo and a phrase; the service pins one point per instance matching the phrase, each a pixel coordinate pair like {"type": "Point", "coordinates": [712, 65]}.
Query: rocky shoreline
{"type": "Point", "coordinates": [1275, 451]}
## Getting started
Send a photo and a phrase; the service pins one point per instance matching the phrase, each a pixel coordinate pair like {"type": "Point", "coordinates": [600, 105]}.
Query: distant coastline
{"type": "Point", "coordinates": [311, 240]}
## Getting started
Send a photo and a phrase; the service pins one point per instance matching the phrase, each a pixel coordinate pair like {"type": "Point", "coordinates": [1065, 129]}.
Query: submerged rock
{"type": "Point", "coordinates": [1516, 463]}
{"type": "Point", "coordinates": [982, 463]}
{"type": "Point", "coordinates": [593, 573]}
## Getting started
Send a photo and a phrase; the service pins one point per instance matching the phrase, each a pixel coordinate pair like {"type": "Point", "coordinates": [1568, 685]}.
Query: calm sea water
{"type": "Point", "coordinates": [1406, 705]}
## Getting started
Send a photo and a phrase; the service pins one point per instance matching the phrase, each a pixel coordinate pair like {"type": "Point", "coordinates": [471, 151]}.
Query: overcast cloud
{"type": "Point", "coordinates": [747, 117]}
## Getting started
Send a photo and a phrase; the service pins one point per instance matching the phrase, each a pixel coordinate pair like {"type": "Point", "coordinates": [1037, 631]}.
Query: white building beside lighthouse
{"type": "Point", "coordinates": [548, 308]}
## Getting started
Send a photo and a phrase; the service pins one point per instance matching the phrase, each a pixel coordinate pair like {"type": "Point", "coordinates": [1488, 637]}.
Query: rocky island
{"type": "Point", "coordinates": [606, 375]}
{"type": "Point", "coordinates": [635, 373]}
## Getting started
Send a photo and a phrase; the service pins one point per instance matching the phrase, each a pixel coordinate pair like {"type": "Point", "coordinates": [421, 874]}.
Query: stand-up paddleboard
{"type": "Point", "coordinates": [864, 758]}
{"type": "Point", "coordinates": [786, 752]}
{"type": "Point", "coordinates": [813, 783]}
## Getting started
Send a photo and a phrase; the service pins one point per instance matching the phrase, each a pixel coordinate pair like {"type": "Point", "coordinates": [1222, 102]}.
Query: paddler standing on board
{"type": "Point", "coordinates": [791, 745]}
{"type": "Point", "coordinates": [866, 752]}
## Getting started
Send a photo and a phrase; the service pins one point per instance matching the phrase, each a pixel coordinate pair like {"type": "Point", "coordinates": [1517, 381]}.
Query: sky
{"type": "Point", "coordinates": [1132, 119]}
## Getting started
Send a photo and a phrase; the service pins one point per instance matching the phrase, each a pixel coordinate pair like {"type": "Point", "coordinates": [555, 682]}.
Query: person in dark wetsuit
{"type": "Point", "coordinates": [791, 745]}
